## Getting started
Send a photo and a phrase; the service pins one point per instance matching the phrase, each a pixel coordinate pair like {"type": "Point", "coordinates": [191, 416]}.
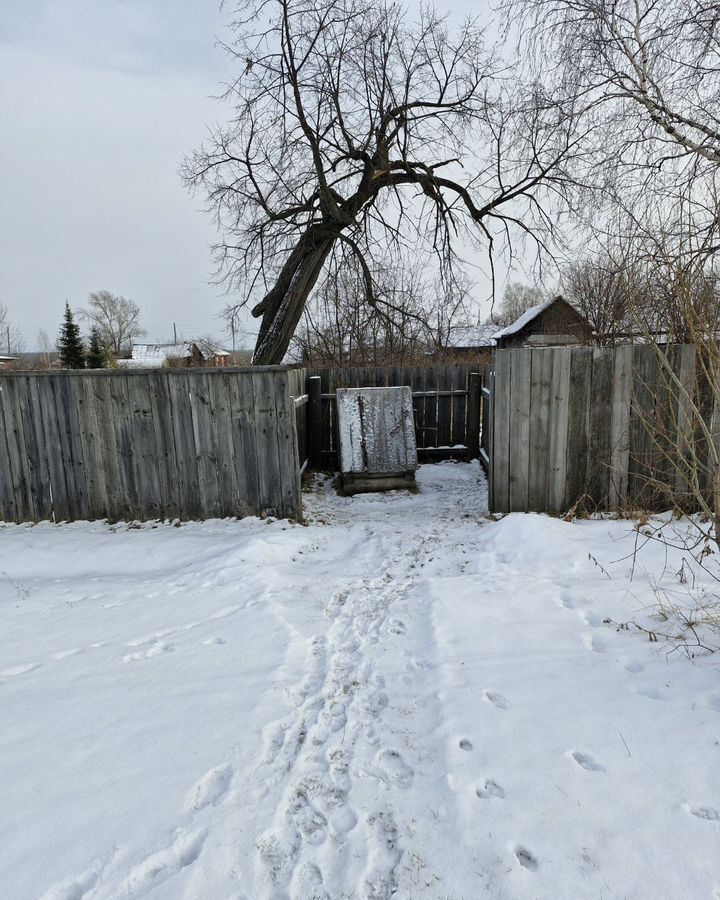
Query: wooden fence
{"type": "Point", "coordinates": [594, 425]}
{"type": "Point", "coordinates": [446, 405]}
{"type": "Point", "coordinates": [169, 443]}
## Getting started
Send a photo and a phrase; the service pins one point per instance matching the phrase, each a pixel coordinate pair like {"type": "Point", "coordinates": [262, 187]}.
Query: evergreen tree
{"type": "Point", "coordinates": [96, 355]}
{"type": "Point", "coordinates": [70, 345]}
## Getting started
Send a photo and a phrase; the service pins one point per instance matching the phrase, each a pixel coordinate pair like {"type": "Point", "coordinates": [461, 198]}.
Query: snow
{"type": "Point", "coordinates": [529, 314]}
{"type": "Point", "coordinates": [403, 698]}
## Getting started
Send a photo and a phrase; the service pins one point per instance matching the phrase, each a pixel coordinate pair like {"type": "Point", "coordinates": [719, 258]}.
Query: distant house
{"type": "Point", "coordinates": [7, 362]}
{"type": "Point", "coordinates": [189, 354]}
{"type": "Point", "coordinates": [551, 324]}
{"type": "Point", "coordinates": [471, 340]}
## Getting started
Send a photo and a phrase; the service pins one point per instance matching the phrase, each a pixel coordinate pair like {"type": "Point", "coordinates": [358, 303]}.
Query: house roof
{"type": "Point", "coordinates": [524, 319]}
{"type": "Point", "coordinates": [466, 336]}
{"type": "Point", "coordinates": [154, 356]}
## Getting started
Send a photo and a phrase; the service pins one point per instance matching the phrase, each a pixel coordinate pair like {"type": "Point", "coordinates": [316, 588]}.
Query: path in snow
{"type": "Point", "coordinates": [403, 699]}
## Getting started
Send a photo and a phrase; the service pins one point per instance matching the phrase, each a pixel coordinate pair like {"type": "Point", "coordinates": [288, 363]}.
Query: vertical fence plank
{"type": "Point", "coordinates": [222, 443]}
{"type": "Point", "coordinates": [242, 414]}
{"type": "Point", "coordinates": [686, 398]}
{"type": "Point", "coordinates": [430, 386]}
{"type": "Point", "coordinates": [186, 456]}
{"type": "Point", "coordinates": [444, 406]}
{"type": "Point", "coordinates": [271, 500]}
{"type": "Point", "coordinates": [206, 455]}
{"type": "Point", "coordinates": [598, 467]}
{"type": "Point", "coordinates": [472, 440]}
{"type": "Point", "coordinates": [166, 457]}
{"type": "Point", "coordinates": [37, 448]}
{"type": "Point", "coordinates": [578, 424]}
{"type": "Point", "coordinates": [11, 476]}
{"type": "Point", "coordinates": [540, 412]}
{"type": "Point", "coordinates": [315, 421]}
{"type": "Point", "coordinates": [519, 430]}
{"type": "Point", "coordinates": [557, 460]}
{"type": "Point", "coordinates": [642, 421]}
{"type": "Point", "coordinates": [458, 382]}
{"type": "Point", "coordinates": [500, 463]}
{"type": "Point", "coordinates": [92, 449]}
{"type": "Point", "coordinates": [620, 428]}
{"type": "Point", "coordinates": [144, 447]}
{"type": "Point", "coordinates": [286, 437]}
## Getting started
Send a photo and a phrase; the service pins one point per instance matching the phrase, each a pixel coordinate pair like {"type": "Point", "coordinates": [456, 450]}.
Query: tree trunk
{"type": "Point", "coordinates": [281, 319]}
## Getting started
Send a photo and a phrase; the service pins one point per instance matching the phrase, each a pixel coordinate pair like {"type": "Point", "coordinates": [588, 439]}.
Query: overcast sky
{"type": "Point", "coordinates": [99, 101]}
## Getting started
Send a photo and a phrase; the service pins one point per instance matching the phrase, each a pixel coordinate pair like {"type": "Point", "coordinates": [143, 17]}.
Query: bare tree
{"type": "Point", "coordinates": [517, 299]}
{"type": "Point", "coordinates": [355, 128]}
{"type": "Point", "coordinates": [11, 339]}
{"type": "Point", "coordinates": [232, 318]}
{"type": "Point", "coordinates": [606, 293]}
{"type": "Point", "coordinates": [411, 319]}
{"type": "Point", "coordinates": [646, 72]}
{"type": "Point", "coordinates": [116, 318]}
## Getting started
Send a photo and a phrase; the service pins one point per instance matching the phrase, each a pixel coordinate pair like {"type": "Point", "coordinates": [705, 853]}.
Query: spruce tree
{"type": "Point", "coordinates": [96, 352]}
{"type": "Point", "coordinates": [70, 345]}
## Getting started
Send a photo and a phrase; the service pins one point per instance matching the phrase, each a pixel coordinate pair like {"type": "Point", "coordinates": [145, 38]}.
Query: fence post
{"type": "Point", "coordinates": [315, 420]}
{"type": "Point", "coordinates": [473, 415]}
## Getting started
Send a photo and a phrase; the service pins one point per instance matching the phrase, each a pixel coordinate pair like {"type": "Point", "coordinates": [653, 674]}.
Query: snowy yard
{"type": "Point", "coordinates": [403, 699]}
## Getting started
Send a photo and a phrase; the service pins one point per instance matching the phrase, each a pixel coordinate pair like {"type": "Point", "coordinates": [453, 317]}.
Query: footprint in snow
{"type": "Point", "coordinates": [210, 789]}
{"type": "Point", "coordinates": [160, 866]}
{"type": "Point", "coordinates": [309, 884]}
{"type": "Point", "coordinates": [595, 643]}
{"type": "Point", "coordinates": [465, 744]}
{"type": "Point", "coordinates": [490, 790]}
{"type": "Point", "coordinates": [394, 769]}
{"type": "Point", "coordinates": [397, 627]}
{"type": "Point", "coordinates": [496, 699]}
{"type": "Point", "coordinates": [214, 641]}
{"type": "Point", "coordinates": [704, 812]}
{"type": "Point", "coordinates": [650, 692]}
{"type": "Point", "coordinates": [310, 822]}
{"type": "Point", "coordinates": [634, 666]}
{"type": "Point", "coordinates": [585, 761]}
{"type": "Point", "coordinates": [525, 858]}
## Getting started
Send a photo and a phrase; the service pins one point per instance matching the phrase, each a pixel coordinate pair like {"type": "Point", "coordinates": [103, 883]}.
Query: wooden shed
{"type": "Point", "coordinates": [552, 324]}
{"type": "Point", "coordinates": [376, 434]}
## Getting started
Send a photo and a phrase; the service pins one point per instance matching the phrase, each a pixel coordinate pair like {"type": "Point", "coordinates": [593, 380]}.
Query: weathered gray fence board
{"type": "Point", "coordinates": [610, 429]}
{"type": "Point", "coordinates": [500, 463]}
{"type": "Point", "coordinates": [620, 428]}
{"type": "Point", "coordinates": [540, 384]}
{"type": "Point", "coordinates": [578, 422]}
{"type": "Point", "coordinates": [686, 397]}
{"type": "Point", "coordinates": [245, 448]}
{"type": "Point", "coordinates": [599, 425]}
{"type": "Point", "coordinates": [560, 399]}
{"type": "Point", "coordinates": [288, 450]}
{"type": "Point", "coordinates": [37, 449]}
{"type": "Point", "coordinates": [144, 445]}
{"type": "Point", "coordinates": [145, 453]}
{"type": "Point", "coordinates": [519, 436]}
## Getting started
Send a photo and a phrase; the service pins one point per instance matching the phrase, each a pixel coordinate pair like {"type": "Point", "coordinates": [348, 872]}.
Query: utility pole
{"type": "Point", "coordinates": [8, 339]}
{"type": "Point", "coordinates": [174, 334]}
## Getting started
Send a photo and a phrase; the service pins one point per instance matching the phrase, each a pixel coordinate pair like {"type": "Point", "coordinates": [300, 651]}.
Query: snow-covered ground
{"type": "Point", "coordinates": [401, 699]}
